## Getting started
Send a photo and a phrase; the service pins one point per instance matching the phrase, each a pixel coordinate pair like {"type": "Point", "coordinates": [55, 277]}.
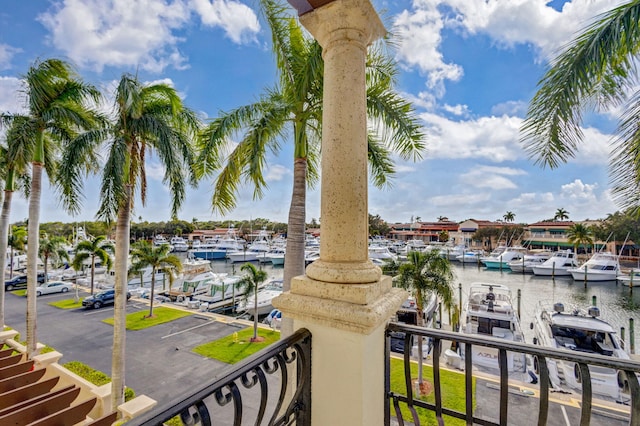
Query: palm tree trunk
{"type": "Point", "coordinates": [153, 286]}
{"type": "Point", "coordinates": [4, 237]}
{"type": "Point", "coordinates": [120, 309]}
{"type": "Point", "coordinates": [32, 256]}
{"type": "Point", "coordinates": [294, 259]}
{"type": "Point", "coordinates": [93, 270]}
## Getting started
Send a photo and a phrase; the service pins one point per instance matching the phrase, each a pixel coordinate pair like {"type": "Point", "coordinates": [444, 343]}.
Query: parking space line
{"type": "Point", "coordinates": [564, 414]}
{"type": "Point", "coordinates": [185, 330]}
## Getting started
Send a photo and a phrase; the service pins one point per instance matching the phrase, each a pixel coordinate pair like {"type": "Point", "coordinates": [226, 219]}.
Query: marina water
{"type": "Point", "coordinates": [617, 302]}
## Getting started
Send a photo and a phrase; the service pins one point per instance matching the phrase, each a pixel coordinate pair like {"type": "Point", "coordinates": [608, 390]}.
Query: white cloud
{"type": "Point", "coordinates": [514, 108]}
{"type": "Point", "coordinates": [489, 138]}
{"type": "Point", "coordinates": [10, 100]}
{"type": "Point", "coordinates": [277, 173]}
{"type": "Point", "coordinates": [238, 21]}
{"type": "Point", "coordinates": [577, 190]}
{"type": "Point", "coordinates": [506, 22]}
{"type": "Point", "coordinates": [494, 178]}
{"type": "Point", "coordinates": [97, 33]}
{"type": "Point", "coordinates": [6, 54]}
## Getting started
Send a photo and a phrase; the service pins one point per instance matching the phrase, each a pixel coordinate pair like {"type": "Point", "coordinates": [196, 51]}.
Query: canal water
{"type": "Point", "coordinates": [617, 302]}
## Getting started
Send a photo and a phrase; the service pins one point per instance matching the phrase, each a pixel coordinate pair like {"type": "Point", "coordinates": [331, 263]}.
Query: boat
{"type": "Point", "coordinates": [470, 257]}
{"type": "Point", "coordinates": [557, 265]}
{"type": "Point", "coordinates": [452, 252]}
{"type": "Point", "coordinates": [275, 255]}
{"type": "Point", "coordinates": [500, 260]}
{"type": "Point", "coordinates": [265, 296]}
{"type": "Point", "coordinates": [408, 314]}
{"type": "Point", "coordinates": [179, 244]}
{"type": "Point", "coordinates": [253, 252]}
{"type": "Point", "coordinates": [579, 331]}
{"type": "Point", "coordinates": [489, 311]}
{"type": "Point", "coordinates": [218, 250]}
{"type": "Point", "coordinates": [159, 240]}
{"type": "Point", "coordinates": [195, 279]}
{"type": "Point", "coordinates": [381, 252]}
{"type": "Point", "coordinates": [528, 261]}
{"type": "Point", "coordinates": [630, 278]}
{"type": "Point", "coordinates": [602, 266]}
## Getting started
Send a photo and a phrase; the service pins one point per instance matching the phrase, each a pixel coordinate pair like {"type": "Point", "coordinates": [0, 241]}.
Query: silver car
{"type": "Point", "coordinates": [53, 287]}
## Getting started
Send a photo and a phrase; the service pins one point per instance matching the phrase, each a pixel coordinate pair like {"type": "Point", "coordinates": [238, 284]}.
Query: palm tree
{"type": "Point", "coordinates": [509, 216]}
{"type": "Point", "coordinates": [250, 282]}
{"type": "Point", "coordinates": [295, 104]}
{"type": "Point", "coordinates": [147, 118]}
{"type": "Point", "coordinates": [561, 214]}
{"type": "Point", "coordinates": [17, 240]}
{"type": "Point", "coordinates": [596, 69]}
{"type": "Point", "coordinates": [578, 235]}
{"type": "Point", "coordinates": [425, 273]}
{"type": "Point", "coordinates": [52, 250]}
{"type": "Point", "coordinates": [97, 247]}
{"type": "Point", "coordinates": [144, 255]}
{"type": "Point", "coordinates": [56, 105]}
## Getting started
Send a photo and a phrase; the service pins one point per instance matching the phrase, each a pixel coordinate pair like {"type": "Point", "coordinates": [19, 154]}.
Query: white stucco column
{"type": "Point", "coordinates": [344, 300]}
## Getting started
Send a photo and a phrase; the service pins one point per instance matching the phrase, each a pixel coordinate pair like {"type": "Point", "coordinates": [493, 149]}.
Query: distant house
{"type": "Point", "coordinates": [428, 232]}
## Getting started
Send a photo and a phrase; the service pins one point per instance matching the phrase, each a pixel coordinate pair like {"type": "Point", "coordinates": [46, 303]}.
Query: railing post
{"type": "Point", "coordinates": [632, 342]}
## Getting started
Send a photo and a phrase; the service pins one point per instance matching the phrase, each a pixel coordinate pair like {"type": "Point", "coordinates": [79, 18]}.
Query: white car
{"type": "Point", "coordinates": [53, 287]}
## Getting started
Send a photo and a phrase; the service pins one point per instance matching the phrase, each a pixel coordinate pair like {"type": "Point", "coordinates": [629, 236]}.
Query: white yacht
{"type": "Point", "coordinates": [452, 252]}
{"type": "Point", "coordinates": [381, 252]}
{"type": "Point", "coordinates": [630, 278]}
{"type": "Point", "coordinates": [472, 256]}
{"type": "Point", "coordinates": [602, 266]}
{"type": "Point", "coordinates": [578, 331]}
{"type": "Point", "coordinates": [528, 261]}
{"type": "Point", "coordinates": [500, 260]}
{"type": "Point", "coordinates": [253, 252]}
{"type": "Point", "coordinates": [179, 244]}
{"type": "Point", "coordinates": [557, 265]}
{"type": "Point", "coordinates": [489, 312]}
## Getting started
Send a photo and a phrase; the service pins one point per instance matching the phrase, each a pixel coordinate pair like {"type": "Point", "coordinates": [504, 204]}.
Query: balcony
{"type": "Point", "coordinates": [255, 391]}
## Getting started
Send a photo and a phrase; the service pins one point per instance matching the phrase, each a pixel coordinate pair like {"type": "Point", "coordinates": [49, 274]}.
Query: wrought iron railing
{"type": "Point", "coordinates": [582, 360]}
{"type": "Point", "coordinates": [241, 393]}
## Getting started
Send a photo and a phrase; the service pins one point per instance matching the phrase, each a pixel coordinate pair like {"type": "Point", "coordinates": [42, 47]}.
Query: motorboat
{"type": "Point", "coordinates": [452, 252]}
{"type": "Point", "coordinates": [489, 311]}
{"type": "Point", "coordinates": [218, 250]}
{"type": "Point", "coordinates": [602, 266]}
{"type": "Point", "coordinates": [583, 332]}
{"type": "Point", "coordinates": [381, 252]}
{"type": "Point", "coordinates": [630, 278]}
{"type": "Point", "coordinates": [408, 314]}
{"type": "Point", "coordinates": [195, 279]}
{"type": "Point", "coordinates": [179, 244]}
{"type": "Point", "coordinates": [557, 265]}
{"type": "Point", "coordinates": [275, 255]}
{"type": "Point", "coordinates": [501, 260]}
{"type": "Point", "coordinates": [472, 256]}
{"type": "Point", "coordinates": [528, 261]}
{"type": "Point", "coordinates": [264, 298]}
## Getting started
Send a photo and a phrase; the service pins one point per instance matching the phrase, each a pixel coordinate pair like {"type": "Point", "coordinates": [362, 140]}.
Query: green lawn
{"type": "Point", "coordinates": [22, 292]}
{"type": "Point", "coordinates": [138, 320]}
{"type": "Point", "coordinates": [67, 304]}
{"type": "Point", "coordinates": [452, 385]}
{"type": "Point", "coordinates": [237, 346]}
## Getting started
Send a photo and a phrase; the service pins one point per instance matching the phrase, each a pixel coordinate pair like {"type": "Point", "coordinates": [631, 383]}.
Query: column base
{"type": "Point", "coordinates": [344, 272]}
{"type": "Point", "coordinates": [358, 308]}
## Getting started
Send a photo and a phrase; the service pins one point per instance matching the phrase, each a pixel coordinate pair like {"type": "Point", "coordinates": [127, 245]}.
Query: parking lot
{"type": "Point", "coordinates": [160, 363]}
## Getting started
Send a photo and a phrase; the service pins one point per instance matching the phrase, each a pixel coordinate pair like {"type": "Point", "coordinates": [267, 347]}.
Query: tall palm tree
{"type": "Point", "coordinates": [56, 110]}
{"type": "Point", "coordinates": [509, 216]}
{"type": "Point", "coordinates": [596, 69]}
{"type": "Point", "coordinates": [144, 255]}
{"type": "Point", "coordinates": [146, 118]}
{"type": "Point", "coordinates": [294, 107]}
{"type": "Point", "coordinates": [17, 240]}
{"type": "Point", "coordinates": [425, 273]}
{"type": "Point", "coordinates": [52, 249]}
{"type": "Point", "coordinates": [561, 214]}
{"type": "Point", "coordinates": [578, 235]}
{"type": "Point", "coordinates": [250, 282]}
{"type": "Point", "coordinates": [97, 247]}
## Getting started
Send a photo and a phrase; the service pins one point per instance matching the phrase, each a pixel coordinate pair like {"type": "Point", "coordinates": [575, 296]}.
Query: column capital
{"type": "Point", "coordinates": [344, 20]}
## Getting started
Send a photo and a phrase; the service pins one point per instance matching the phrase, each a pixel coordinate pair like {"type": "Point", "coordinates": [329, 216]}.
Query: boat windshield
{"type": "Point", "coordinates": [584, 340]}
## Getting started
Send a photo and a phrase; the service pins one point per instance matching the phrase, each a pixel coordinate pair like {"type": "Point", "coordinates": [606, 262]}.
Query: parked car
{"type": "Point", "coordinates": [20, 281]}
{"type": "Point", "coordinates": [102, 298]}
{"type": "Point", "coordinates": [53, 287]}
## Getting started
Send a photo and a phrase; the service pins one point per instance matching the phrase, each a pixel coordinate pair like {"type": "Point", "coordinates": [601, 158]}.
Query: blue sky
{"type": "Point", "coordinates": [469, 66]}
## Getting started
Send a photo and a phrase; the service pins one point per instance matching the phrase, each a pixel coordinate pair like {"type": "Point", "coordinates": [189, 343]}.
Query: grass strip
{"type": "Point", "coordinates": [237, 346]}
{"type": "Point", "coordinates": [140, 320]}
{"type": "Point", "coordinates": [67, 304]}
